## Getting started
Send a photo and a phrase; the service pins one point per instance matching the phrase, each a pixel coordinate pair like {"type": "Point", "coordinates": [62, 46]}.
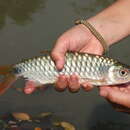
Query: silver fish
{"type": "Point", "coordinates": [95, 69]}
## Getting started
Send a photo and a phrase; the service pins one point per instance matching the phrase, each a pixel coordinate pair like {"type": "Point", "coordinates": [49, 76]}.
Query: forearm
{"type": "Point", "coordinates": [113, 23]}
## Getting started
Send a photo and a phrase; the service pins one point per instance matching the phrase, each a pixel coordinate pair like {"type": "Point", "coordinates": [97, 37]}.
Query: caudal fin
{"type": "Point", "coordinates": [8, 79]}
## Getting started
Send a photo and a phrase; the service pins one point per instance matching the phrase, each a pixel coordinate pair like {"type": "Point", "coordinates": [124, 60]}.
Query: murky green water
{"type": "Point", "coordinates": [29, 26]}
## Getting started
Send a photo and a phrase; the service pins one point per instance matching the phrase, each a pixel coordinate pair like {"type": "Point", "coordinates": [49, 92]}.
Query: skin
{"type": "Point", "coordinates": [30, 87]}
{"type": "Point", "coordinates": [113, 24]}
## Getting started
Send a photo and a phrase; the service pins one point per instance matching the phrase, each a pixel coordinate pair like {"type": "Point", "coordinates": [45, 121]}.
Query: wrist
{"type": "Point", "coordinates": [113, 23]}
{"type": "Point", "coordinates": [94, 33]}
{"type": "Point", "coordinates": [99, 26]}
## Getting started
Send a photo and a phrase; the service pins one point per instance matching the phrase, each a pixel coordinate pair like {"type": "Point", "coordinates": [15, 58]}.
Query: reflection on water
{"type": "Point", "coordinates": [19, 11]}
{"type": "Point", "coordinates": [90, 6]}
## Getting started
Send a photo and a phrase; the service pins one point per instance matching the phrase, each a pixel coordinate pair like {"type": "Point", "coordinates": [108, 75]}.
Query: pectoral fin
{"type": "Point", "coordinates": [45, 52]}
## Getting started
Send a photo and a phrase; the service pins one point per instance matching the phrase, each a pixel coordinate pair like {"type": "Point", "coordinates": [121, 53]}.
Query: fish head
{"type": "Point", "coordinates": [119, 74]}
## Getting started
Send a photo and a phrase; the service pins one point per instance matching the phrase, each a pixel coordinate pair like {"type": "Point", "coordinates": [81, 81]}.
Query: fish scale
{"type": "Point", "coordinates": [98, 70]}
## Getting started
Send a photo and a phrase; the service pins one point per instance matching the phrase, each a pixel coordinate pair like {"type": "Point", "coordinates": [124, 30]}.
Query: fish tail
{"type": "Point", "coordinates": [9, 78]}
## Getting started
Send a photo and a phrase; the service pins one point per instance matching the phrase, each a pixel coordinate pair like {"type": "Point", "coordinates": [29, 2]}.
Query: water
{"type": "Point", "coordinates": [30, 26]}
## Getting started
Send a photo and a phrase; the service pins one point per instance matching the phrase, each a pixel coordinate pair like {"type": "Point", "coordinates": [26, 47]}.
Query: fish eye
{"type": "Point", "coordinates": [123, 72]}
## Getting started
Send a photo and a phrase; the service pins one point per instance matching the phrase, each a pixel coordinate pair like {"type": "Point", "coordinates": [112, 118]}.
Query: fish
{"type": "Point", "coordinates": [95, 69]}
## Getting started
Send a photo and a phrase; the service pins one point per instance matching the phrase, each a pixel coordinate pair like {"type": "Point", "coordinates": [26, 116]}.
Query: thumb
{"type": "Point", "coordinates": [58, 54]}
{"type": "Point", "coordinates": [115, 96]}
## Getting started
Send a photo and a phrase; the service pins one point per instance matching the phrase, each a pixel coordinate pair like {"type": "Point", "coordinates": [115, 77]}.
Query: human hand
{"type": "Point", "coordinates": [118, 96]}
{"type": "Point", "coordinates": [78, 39]}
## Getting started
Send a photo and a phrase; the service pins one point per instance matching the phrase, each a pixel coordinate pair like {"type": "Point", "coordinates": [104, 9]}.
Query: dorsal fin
{"type": "Point", "coordinates": [45, 52]}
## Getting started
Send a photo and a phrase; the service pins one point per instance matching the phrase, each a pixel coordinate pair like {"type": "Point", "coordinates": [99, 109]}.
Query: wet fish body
{"type": "Point", "coordinates": [97, 70]}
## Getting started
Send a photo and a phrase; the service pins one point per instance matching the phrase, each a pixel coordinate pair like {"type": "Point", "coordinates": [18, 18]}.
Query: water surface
{"type": "Point", "coordinates": [30, 26]}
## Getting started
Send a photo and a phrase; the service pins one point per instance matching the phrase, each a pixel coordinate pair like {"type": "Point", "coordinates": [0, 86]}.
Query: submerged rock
{"type": "Point", "coordinates": [21, 116]}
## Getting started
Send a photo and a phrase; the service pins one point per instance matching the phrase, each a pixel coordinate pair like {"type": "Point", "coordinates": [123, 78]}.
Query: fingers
{"type": "Point", "coordinates": [29, 87]}
{"type": "Point", "coordinates": [58, 53]}
{"type": "Point", "coordinates": [87, 86]}
{"type": "Point", "coordinates": [114, 95]}
{"type": "Point", "coordinates": [72, 83]}
{"type": "Point", "coordinates": [61, 83]}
